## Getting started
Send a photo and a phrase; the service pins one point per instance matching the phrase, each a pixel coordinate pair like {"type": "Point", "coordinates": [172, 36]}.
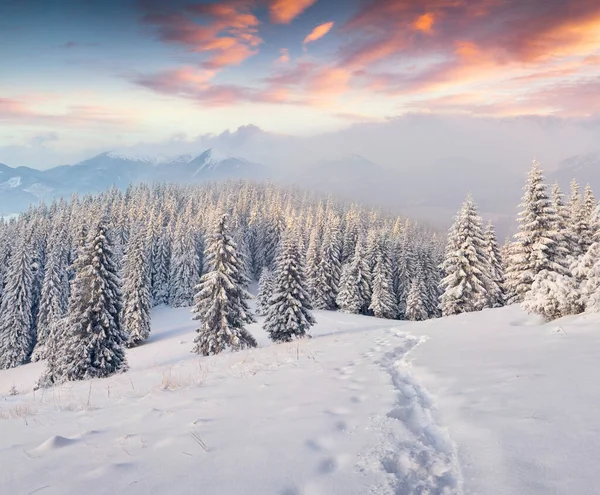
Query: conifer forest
{"type": "Point", "coordinates": [79, 278]}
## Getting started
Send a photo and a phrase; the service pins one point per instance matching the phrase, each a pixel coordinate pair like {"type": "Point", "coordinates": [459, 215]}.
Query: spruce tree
{"type": "Point", "coordinates": [289, 315]}
{"type": "Point", "coordinates": [465, 266]}
{"type": "Point", "coordinates": [537, 245]}
{"type": "Point", "coordinates": [185, 267]}
{"type": "Point", "coordinates": [313, 261]}
{"type": "Point", "coordinates": [402, 282]}
{"type": "Point", "coordinates": [16, 338]}
{"type": "Point", "coordinates": [586, 270]}
{"type": "Point", "coordinates": [539, 264]}
{"type": "Point", "coordinates": [220, 304]}
{"type": "Point", "coordinates": [354, 296]}
{"type": "Point", "coordinates": [160, 258]}
{"type": "Point", "coordinates": [55, 290]}
{"type": "Point", "coordinates": [266, 284]}
{"type": "Point", "coordinates": [496, 295]}
{"type": "Point", "coordinates": [383, 300]}
{"type": "Point", "coordinates": [91, 343]}
{"type": "Point", "coordinates": [5, 250]}
{"type": "Point", "coordinates": [328, 270]}
{"type": "Point", "coordinates": [415, 309]}
{"type": "Point", "coordinates": [136, 288]}
{"type": "Point", "coordinates": [576, 224]}
{"type": "Point", "coordinates": [429, 272]}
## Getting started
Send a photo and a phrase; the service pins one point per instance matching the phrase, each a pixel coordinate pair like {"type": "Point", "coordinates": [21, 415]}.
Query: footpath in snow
{"type": "Point", "coordinates": [336, 414]}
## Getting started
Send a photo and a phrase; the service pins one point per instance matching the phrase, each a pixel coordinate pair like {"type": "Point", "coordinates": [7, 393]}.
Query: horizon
{"type": "Point", "coordinates": [81, 79]}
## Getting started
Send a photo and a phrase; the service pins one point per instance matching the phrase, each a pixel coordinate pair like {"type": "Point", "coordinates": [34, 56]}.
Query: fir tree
{"type": "Point", "coordinates": [383, 300]}
{"type": "Point", "coordinates": [496, 288]}
{"type": "Point", "coordinates": [55, 290]}
{"type": "Point", "coordinates": [328, 270]}
{"type": "Point", "coordinates": [220, 304]}
{"type": "Point", "coordinates": [16, 338]}
{"type": "Point", "coordinates": [289, 314]}
{"type": "Point", "coordinates": [415, 309]}
{"type": "Point", "coordinates": [465, 265]}
{"type": "Point", "coordinates": [185, 267]}
{"type": "Point", "coordinates": [575, 224]}
{"type": "Point", "coordinates": [313, 261]}
{"type": "Point", "coordinates": [91, 343]}
{"type": "Point", "coordinates": [429, 273]}
{"type": "Point", "coordinates": [160, 258]}
{"type": "Point", "coordinates": [537, 245]}
{"type": "Point", "coordinates": [266, 285]}
{"type": "Point", "coordinates": [136, 288]}
{"type": "Point", "coordinates": [402, 281]}
{"type": "Point", "coordinates": [355, 287]}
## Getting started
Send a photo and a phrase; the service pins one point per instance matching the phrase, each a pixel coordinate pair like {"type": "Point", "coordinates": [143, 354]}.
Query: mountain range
{"type": "Point", "coordinates": [23, 186]}
{"type": "Point", "coordinates": [433, 192]}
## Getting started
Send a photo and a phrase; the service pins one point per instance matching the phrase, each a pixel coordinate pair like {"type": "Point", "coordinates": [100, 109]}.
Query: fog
{"type": "Point", "coordinates": [422, 164]}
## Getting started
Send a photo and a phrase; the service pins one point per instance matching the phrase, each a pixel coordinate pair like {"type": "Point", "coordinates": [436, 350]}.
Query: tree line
{"type": "Point", "coordinates": [78, 278]}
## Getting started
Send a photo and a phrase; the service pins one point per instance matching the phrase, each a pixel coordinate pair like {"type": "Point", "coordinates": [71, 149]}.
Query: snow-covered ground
{"type": "Point", "coordinates": [487, 403]}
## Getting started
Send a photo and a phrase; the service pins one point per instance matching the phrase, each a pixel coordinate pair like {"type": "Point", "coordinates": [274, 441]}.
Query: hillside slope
{"type": "Point", "coordinates": [487, 403]}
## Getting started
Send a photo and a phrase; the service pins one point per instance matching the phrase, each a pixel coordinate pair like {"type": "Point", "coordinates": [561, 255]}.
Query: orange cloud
{"type": "Point", "coordinates": [285, 11]}
{"type": "Point", "coordinates": [284, 56]}
{"type": "Point", "coordinates": [424, 22]}
{"type": "Point", "coordinates": [196, 85]}
{"type": "Point", "coordinates": [318, 32]}
{"type": "Point", "coordinates": [227, 31]}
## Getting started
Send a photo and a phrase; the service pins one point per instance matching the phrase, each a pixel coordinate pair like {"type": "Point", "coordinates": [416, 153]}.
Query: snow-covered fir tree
{"type": "Point", "coordinates": [92, 340]}
{"type": "Point", "coordinates": [466, 268]}
{"type": "Point", "coordinates": [160, 259]}
{"type": "Point", "coordinates": [313, 259]}
{"type": "Point", "coordinates": [328, 270]}
{"type": "Point", "coordinates": [185, 266]}
{"type": "Point", "coordinates": [289, 315]}
{"type": "Point", "coordinates": [353, 231]}
{"type": "Point", "coordinates": [586, 271]}
{"type": "Point", "coordinates": [576, 224]}
{"type": "Point", "coordinates": [538, 273]}
{"type": "Point", "coordinates": [55, 289]}
{"type": "Point", "coordinates": [428, 269]}
{"type": "Point", "coordinates": [137, 300]}
{"type": "Point", "coordinates": [415, 308]}
{"type": "Point", "coordinates": [402, 273]}
{"type": "Point", "coordinates": [266, 283]}
{"type": "Point", "coordinates": [355, 286]}
{"type": "Point", "coordinates": [272, 237]}
{"type": "Point", "coordinates": [537, 245]}
{"type": "Point", "coordinates": [220, 304]}
{"type": "Point", "coordinates": [6, 238]}
{"type": "Point", "coordinates": [383, 300]}
{"type": "Point", "coordinates": [496, 296]}
{"type": "Point", "coordinates": [16, 337]}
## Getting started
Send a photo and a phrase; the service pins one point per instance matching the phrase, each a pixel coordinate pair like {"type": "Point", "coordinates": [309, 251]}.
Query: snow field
{"type": "Point", "coordinates": [316, 416]}
{"type": "Point", "coordinates": [492, 403]}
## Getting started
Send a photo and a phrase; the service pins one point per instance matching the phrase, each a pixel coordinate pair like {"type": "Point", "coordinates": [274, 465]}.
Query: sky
{"type": "Point", "coordinates": [78, 77]}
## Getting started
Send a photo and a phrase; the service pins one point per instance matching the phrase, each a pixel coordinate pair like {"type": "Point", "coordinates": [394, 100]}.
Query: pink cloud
{"type": "Point", "coordinates": [190, 83]}
{"type": "Point", "coordinates": [284, 56]}
{"type": "Point", "coordinates": [19, 112]}
{"type": "Point", "coordinates": [226, 31]}
{"type": "Point", "coordinates": [318, 32]}
{"type": "Point", "coordinates": [284, 11]}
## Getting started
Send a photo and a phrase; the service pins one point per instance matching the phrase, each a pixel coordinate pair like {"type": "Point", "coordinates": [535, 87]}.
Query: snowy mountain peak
{"type": "Point", "coordinates": [148, 158]}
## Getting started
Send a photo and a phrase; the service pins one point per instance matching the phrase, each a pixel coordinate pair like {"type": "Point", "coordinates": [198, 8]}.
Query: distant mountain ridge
{"type": "Point", "coordinates": [23, 186]}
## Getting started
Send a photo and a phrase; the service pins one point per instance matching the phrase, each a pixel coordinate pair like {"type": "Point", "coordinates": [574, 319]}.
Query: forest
{"type": "Point", "coordinates": [78, 278]}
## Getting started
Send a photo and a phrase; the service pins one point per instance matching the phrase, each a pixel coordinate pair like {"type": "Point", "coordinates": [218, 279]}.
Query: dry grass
{"type": "Point", "coordinates": [20, 411]}
{"type": "Point", "coordinates": [174, 381]}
